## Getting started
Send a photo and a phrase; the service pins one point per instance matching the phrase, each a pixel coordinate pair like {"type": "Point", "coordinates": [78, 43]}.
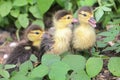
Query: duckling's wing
{"type": "Point", "coordinates": [19, 54]}
{"type": "Point", "coordinates": [47, 41]}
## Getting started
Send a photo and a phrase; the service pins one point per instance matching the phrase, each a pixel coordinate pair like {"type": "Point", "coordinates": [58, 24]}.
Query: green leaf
{"type": "Point", "coordinates": [116, 21]}
{"type": "Point", "coordinates": [114, 66]}
{"type": "Point", "coordinates": [76, 62]}
{"type": "Point", "coordinates": [15, 13]}
{"type": "Point", "coordinates": [90, 2]}
{"type": "Point", "coordinates": [79, 75]}
{"type": "Point", "coordinates": [40, 23]}
{"type": "Point", "coordinates": [99, 13]}
{"type": "Point", "coordinates": [17, 24]}
{"type": "Point", "coordinates": [49, 59]}
{"type": "Point", "coordinates": [105, 33]}
{"type": "Point", "coordinates": [61, 2]}
{"type": "Point", "coordinates": [69, 6]}
{"type": "Point", "coordinates": [110, 48]}
{"type": "Point", "coordinates": [8, 66]}
{"type": "Point", "coordinates": [86, 2]}
{"type": "Point", "coordinates": [32, 1]}
{"type": "Point", "coordinates": [19, 77]}
{"type": "Point", "coordinates": [20, 2]}
{"type": "Point", "coordinates": [35, 12]}
{"type": "Point", "coordinates": [23, 20]}
{"type": "Point", "coordinates": [39, 71]}
{"type": "Point", "coordinates": [105, 8]}
{"type": "Point", "coordinates": [33, 58]}
{"type": "Point", "coordinates": [118, 49]}
{"type": "Point", "coordinates": [24, 67]}
{"type": "Point", "coordinates": [110, 38]}
{"type": "Point", "coordinates": [94, 66]}
{"type": "Point", "coordinates": [44, 5]}
{"type": "Point", "coordinates": [1, 66]}
{"type": "Point", "coordinates": [5, 8]}
{"type": "Point", "coordinates": [3, 79]}
{"type": "Point", "coordinates": [4, 73]}
{"type": "Point", "coordinates": [4, 21]}
{"type": "Point", "coordinates": [107, 18]}
{"type": "Point", "coordinates": [101, 44]}
{"type": "Point", "coordinates": [58, 71]}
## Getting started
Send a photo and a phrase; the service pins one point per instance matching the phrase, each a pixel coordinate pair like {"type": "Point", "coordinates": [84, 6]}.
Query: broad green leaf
{"type": "Point", "coordinates": [44, 5]}
{"type": "Point", "coordinates": [35, 12]}
{"type": "Point", "coordinates": [79, 75]}
{"type": "Point", "coordinates": [15, 13]}
{"type": "Point", "coordinates": [58, 71]}
{"type": "Point", "coordinates": [114, 47]}
{"type": "Point", "coordinates": [49, 59]}
{"type": "Point", "coordinates": [40, 23]}
{"type": "Point", "coordinates": [99, 13]}
{"type": "Point", "coordinates": [105, 8]}
{"type": "Point", "coordinates": [4, 21]}
{"type": "Point", "coordinates": [5, 8]}
{"type": "Point", "coordinates": [86, 2]}
{"type": "Point", "coordinates": [39, 72]}
{"type": "Point", "coordinates": [8, 66]}
{"type": "Point", "coordinates": [32, 1]}
{"type": "Point", "coordinates": [20, 2]}
{"type": "Point", "coordinates": [114, 66]}
{"type": "Point", "coordinates": [3, 79]}
{"type": "Point", "coordinates": [61, 2]}
{"type": "Point", "coordinates": [19, 77]}
{"type": "Point", "coordinates": [116, 21]}
{"type": "Point", "coordinates": [33, 58]}
{"type": "Point", "coordinates": [4, 73]}
{"type": "Point", "coordinates": [1, 66]}
{"type": "Point", "coordinates": [23, 20]}
{"type": "Point", "coordinates": [94, 66]}
{"type": "Point", "coordinates": [105, 33]}
{"type": "Point", "coordinates": [108, 39]}
{"type": "Point", "coordinates": [24, 67]}
{"type": "Point", "coordinates": [90, 2]}
{"type": "Point", "coordinates": [69, 6]}
{"type": "Point", "coordinates": [101, 44]}
{"type": "Point", "coordinates": [76, 62]}
{"type": "Point", "coordinates": [106, 19]}
{"type": "Point", "coordinates": [118, 49]}
{"type": "Point", "coordinates": [17, 24]}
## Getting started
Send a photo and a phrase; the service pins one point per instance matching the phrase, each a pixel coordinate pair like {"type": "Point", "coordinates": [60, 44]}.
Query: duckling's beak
{"type": "Point", "coordinates": [73, 23]}
{"type": "Point", "coordinates": [92, 22]}
{"type": "Point", "coordinates": [74, 20]}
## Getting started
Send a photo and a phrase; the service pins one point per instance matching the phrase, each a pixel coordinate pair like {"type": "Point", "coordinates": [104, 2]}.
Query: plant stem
{"type": "Point", "coordinates": [99, 2]}
{"type": "Point", "coordinates": [17, 34]}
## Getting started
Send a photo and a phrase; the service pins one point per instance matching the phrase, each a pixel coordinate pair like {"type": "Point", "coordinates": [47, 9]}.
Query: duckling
{"type": "Point", "coordinates": [57, 40]}
{"type": "Point", "coordinates": [84, 36]}
{"type": "Point", "coordinates": [30, 46]}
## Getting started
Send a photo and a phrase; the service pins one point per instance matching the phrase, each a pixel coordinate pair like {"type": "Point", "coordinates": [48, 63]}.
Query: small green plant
{"type": "Point", "coordinates": [113, 66]}
{"type": "Point", "coordinates": [55, 67]}
{"type": "Point", "coordinates": [109, 36]}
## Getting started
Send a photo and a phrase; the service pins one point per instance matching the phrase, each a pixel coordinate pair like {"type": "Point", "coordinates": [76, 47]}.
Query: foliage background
{"type": "Point", "coordinates": [21, 13]}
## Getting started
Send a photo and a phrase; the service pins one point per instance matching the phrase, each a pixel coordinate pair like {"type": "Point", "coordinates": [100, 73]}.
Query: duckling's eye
{"type": "Point", "coordinates": [84, 14]}
{"type": "Point", "coordinates": [68, 17]}
{"type": "Point", "coordinates": [36, 32]}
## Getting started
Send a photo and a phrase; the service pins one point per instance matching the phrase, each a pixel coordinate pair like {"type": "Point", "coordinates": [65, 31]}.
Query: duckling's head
{"type": "Point", "coordinates": [62, 19]}
{"type": "Point", "coordinates": [85, 16]}
{"type": "Point", "coordinates": [34, 33]}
